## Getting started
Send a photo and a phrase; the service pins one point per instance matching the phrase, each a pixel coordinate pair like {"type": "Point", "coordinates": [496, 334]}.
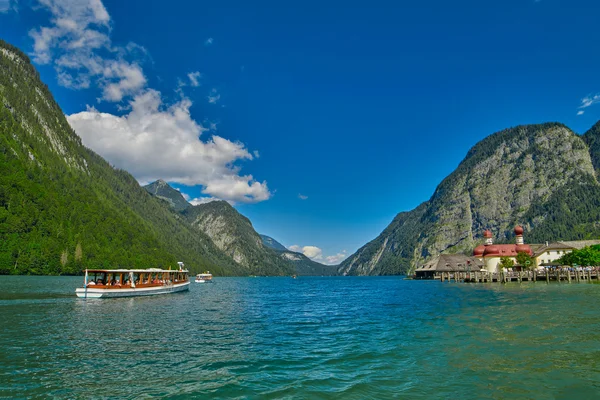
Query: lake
{"type": "Point", "coordinates": [334, 337]}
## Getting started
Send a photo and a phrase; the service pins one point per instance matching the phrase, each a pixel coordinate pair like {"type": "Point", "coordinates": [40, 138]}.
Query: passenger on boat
{"type": "Point", "coordinates": [91, 283]}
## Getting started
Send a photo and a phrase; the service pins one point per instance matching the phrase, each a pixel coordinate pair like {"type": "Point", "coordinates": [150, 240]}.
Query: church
{"type": "Point", "coordinates": [487, 256]}
{"type": "Point", "coordinates": [490, 254]}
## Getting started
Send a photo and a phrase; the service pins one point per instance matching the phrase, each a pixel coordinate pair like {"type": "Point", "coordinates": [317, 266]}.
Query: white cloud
{"type": "Point", "coordinates": [580, 112]}
{"type": "Point", "coordinates": [7, 5]}
{"type": "Point", "coordinates": [302, 197]}
{"type": "Point", "coordinates": [203, 200]}
{"type": "Point", "coordinates": [78, 43]}
{"type": "Point", "coordinates": [209, 41]}
{"type": "Point", "coordinates": [150, 140]}
{"type": "Point", "coordinates": [153, 141]}
{"type": "Point", "coordinates": [195, 78]}
{"type": "Point", "coordinates": [213, 97]}
{"type": "Point", "coordinates": [312, 252]}
{"type": "Point", "coordinates": [129, 80]}
{"type": "Point", "coordinates": [589, 100]}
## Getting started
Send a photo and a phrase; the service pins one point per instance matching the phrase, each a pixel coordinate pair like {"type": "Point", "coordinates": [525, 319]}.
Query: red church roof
{"type": "Point", "coordinates": [506, 250]}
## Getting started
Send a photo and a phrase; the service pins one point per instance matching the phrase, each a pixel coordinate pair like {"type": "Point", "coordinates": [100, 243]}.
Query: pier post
{"type": "Point", "coordinates": [547, 276]}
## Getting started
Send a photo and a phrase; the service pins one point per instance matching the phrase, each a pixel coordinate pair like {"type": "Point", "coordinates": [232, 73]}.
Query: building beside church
{"type": "Point", "coordinates": [548, 254]}
{"type": "Point", "coordinates": [448, 263]}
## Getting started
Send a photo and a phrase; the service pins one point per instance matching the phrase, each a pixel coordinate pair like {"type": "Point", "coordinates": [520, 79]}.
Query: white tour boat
{"type": "Point", "coordinates": [204, 278]}
{"type": "Point", "coordinates": [101, 283]}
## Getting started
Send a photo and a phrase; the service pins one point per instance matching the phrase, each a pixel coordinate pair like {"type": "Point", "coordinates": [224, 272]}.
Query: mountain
{"type": "Point", "coordinates": [539, 176]}
{"type": "Point", "coordinates": [163, 191]}
{"type": "Point", "coordinates": [272, 243]}
{"type": "Point", "coordinates": [303, 265]}
{"type": "Point", "coordinates": [64, 208]}
{"type": "Point", "coordinates": [233, 234]}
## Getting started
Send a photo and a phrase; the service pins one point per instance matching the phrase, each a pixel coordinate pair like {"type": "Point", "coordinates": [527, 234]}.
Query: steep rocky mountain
{"type": "Point", "coordinates": [163, 191]}
{"type": "Point", "coordinates": [64, 208]}
{"type": "Point", "coordinates": [539, 176]}
{"type": "Point", "coordinates": [272, 243]}
{"type": "Point", "coordinates": [234, 234]}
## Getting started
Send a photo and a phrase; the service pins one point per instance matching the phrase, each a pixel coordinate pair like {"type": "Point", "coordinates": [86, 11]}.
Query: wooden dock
{"type": "Point", "coordinates": [555, 275]}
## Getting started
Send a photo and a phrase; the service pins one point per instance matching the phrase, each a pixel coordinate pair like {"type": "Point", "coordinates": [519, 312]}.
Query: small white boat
{"type": "Point", "coordinates": [204, 278]}
{"type": "Point", "coordinates": [103, 283]}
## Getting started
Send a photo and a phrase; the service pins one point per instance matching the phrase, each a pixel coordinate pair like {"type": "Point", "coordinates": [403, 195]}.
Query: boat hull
{"type": "Point", "coordinates": [96, 293]}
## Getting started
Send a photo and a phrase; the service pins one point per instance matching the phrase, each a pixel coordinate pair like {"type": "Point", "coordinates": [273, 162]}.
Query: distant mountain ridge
{"type": "Point", "coordinates": [272, 243]}
{"type": "Point", "coordinates": [304, 265]}
{"type": "Point", "coordinates": [234, 235]}
{"type": "Point", "coordinates": [540, 176]}
{"type": "Point", "coordinates": [162, 190]}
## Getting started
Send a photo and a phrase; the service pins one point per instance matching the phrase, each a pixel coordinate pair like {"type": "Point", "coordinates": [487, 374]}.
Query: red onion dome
{"type": "Point", "coordinates": [492, 249]}
{"type": "Point", "coordinates": [518, 230]}
{"type": "Point", "coordinates": [523, 248]}
{"type": "Point", "coordinates": [487, 234]}
{"type": "Point", "coordinates": [479, 250]}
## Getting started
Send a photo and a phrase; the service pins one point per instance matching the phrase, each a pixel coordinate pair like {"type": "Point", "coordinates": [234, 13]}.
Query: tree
{"type": "Point", "coordinates": [64, 258]}
{"type": "Point", "coordinates": [506, 262]}
{"type": "Point", "coordinates": [588, 256]}
{"type": "Point", "coordinates": [525, 260]}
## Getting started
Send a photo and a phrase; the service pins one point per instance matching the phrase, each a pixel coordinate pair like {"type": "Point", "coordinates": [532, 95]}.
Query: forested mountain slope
{"type": "Point", "coordinates": [63, 208]}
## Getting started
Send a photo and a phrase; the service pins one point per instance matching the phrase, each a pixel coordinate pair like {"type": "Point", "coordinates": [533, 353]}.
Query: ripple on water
{"type": "Point", "coordinates": [303, 338]}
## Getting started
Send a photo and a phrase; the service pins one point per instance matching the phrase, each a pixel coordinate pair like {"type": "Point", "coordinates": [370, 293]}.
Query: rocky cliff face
{"type": "Point", "coordinates": [502, 179]}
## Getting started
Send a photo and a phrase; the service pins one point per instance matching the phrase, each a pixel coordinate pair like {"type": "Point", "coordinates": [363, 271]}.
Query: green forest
{"type": "Point", "coordinates": [63, 208]}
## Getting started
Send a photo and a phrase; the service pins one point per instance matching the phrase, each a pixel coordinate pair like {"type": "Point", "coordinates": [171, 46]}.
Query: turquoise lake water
{"type": "Point", "coordinates": [342, 337]}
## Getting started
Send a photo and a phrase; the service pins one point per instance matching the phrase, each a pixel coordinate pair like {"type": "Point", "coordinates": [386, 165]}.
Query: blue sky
{"type": "Point", "coordinates": [343, 113]}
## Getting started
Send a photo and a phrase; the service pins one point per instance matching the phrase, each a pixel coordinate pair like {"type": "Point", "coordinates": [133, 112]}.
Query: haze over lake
{"type": "Point", "coordinates": [343, 337]}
